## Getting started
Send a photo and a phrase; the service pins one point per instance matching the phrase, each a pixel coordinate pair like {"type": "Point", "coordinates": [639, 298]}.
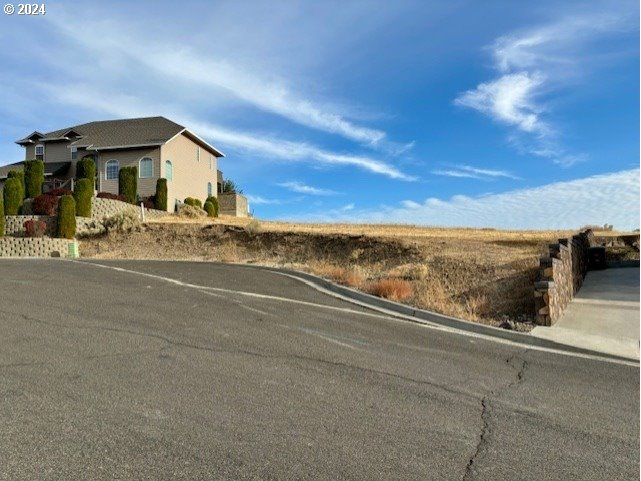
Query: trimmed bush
{"type": "Point", "coordinates": [86, 169]}
{"type": "Point", "coordinates": [213, 200]}
{"type": "Point", "coordinates": [67, 217]}
{"type": "Point", "coordinates": [210, 209]}
{"type": "Point", "coordinates": [59, 192]}
{"type": "Point", "coordinates": [34, 177]}
{"type": "Point", "coordinates": [18, 174]}
{"type": "Point", "coordinates": [193, 202]}
{"type": "Point", "coordinates": [45, 204]}
{"type": "Point", "coordinates": [109, 195]}
{"type": "Point", "coordinates": [12, 196]}
{"type": "Point", "coordinates": [82, 194]}
{"type": "Point", "coordinates": [160, 200]}
{"type": "Point", "coordinates": [34, 228]}
{"type": "Point", "coordinates": [128, 183]}
{"type": "Point", "coordinates": [1, 217]}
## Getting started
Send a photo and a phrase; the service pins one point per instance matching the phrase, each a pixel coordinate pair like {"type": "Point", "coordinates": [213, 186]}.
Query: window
{"type": "Point", "coordinates": [40, 152]}
{"type": "Point", "coordinates": [169, 170]}
{"type": "Point", "coordinates": [146, 168]}
{"type": "Point", "coordinates": [210, 192]}
{"type": "Point", "coordinates": [111, 169]}
{"type": "Point", "coordinates": [74, 153]}
{"type": "Point", "coordinates": [198, 154]}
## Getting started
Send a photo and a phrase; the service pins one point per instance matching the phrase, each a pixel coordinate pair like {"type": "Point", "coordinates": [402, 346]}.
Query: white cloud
{"type": "Point", "coordinates": [609, 198]}
{"type": "Point", "coordinates": [264, 91]}
{"type": "Point", "coordinates": [467, 171]}
{"type": "Point", "coordinates": [533, 63]}
{"type": "Point", "coordinates": [301, 188]}
{"type": "Point", "coordinates": [258, 200]}
{"type": "Point", "coordinates": [509, 99]}
{"type": "Point", "coordinates": [124, 105]}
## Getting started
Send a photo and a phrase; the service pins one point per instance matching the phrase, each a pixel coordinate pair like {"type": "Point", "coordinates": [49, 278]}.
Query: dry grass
{"type": "Point", "coordinates": [476, 274]}
{"type": "Point", "coordinates": [391, 288]}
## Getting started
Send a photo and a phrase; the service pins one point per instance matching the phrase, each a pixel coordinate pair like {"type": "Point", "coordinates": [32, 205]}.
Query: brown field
{"type": "Point", "coordinates": [482, 275]}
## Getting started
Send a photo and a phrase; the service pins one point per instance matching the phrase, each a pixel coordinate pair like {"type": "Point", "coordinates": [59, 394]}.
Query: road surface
{"type": "Point", "coordinates": [235, 373]}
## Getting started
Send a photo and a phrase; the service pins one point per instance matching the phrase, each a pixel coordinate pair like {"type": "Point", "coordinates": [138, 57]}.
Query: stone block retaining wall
{"type": "Point", "coordinates": [34, 247]}
{"type": "Point", "coordinates": [561, 275]}
{"type": "Point", "coordinates": [233, 204]}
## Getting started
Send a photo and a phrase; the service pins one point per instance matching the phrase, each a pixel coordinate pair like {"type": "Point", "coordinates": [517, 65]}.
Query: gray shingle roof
{"type": "Point", "coordinates": [51, 168]}
{"type": "Point", "coordinates": [120, 133]}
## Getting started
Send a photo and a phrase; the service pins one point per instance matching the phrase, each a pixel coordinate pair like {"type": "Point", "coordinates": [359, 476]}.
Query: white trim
{"type": "Point", "coordinates": [74, 150]}
{"type": "Point", "coordinates": [35, 151]}
{"type": "Point", "coordinates": [205, 142]}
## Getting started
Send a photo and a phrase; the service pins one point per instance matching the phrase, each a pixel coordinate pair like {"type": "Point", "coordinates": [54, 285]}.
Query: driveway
{"type": "Point", "coordinates": [604, 315]}
{"type": "Point", "coordinates": [186, 370]}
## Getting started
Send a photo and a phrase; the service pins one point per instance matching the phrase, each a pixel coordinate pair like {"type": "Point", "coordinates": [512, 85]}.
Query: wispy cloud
{"type": "Point", "coordinates": [469, 172]}
{"type": "Point", "coordinates": [532, 64]}
{"type": "Point", "coordinates": [266, 92]}
{"type": "Point", "coordinates": [302, 188]}
{"type": "Point", "coordinates": [260, 145]}
{"type": "Point", "coordinates": [258, 200]}
{"type": "Point", "coordinates": [610, 198]}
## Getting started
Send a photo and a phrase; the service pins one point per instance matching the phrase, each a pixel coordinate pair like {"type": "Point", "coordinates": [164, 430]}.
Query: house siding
{"type": "Point", "coordinates": [127, 158]}
{"type": "Point", "coordinates": [190, 177]}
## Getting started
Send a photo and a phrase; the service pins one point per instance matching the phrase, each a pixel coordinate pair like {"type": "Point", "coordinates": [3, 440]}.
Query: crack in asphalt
{"type": "Point", "coordinates": [442, 387]}
{"type": "Point", "coordinates": [486, 412]}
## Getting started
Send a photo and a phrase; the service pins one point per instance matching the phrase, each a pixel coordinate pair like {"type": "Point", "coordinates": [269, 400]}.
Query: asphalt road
{"type": "Point", "coordinates": [106, 374]}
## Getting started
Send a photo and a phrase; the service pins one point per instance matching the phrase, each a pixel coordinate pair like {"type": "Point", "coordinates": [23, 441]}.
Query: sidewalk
{"type": "Point", "coordinates": [604, 316]}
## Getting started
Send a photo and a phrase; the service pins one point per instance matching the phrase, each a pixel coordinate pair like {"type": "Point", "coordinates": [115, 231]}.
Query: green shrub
{"type": "Point", "coordinates": [128, 183]}
{"type": "Point", "coordinates": [12, 196]}
{"type": "Point", "coordinates": [82, 194]}
{"type": "Point", "coordinates": [34, 177]}
{"type": "Point", "coordinates": [194, 202]}
{"type": "Point", "coordinates": [18, 174]}
{"type": "Point", "coordinates": [1, 217]}
{"type": "Point", "coordinates": [86, 169]}
{"type": "Point", "coordinates": [66, 217]}
{"type": "Point", "coordinates": [160, 200]}
{"type": "Point", "coordinates": [210, 209]}
{"type": "Point", "coordinates": [214, 201]}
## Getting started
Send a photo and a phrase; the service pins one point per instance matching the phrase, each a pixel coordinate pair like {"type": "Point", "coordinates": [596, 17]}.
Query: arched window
{"type": "Point", "coordinates": [146, 168]}
{"type": "Point", "coordinates": [210, 192]}
{"type": "Point", "coordinates": [169, 170]}
{"type": "Point", "coordinates": [111, 169]}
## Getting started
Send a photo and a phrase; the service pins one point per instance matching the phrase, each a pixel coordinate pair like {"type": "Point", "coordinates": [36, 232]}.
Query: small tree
{"type": "Point", "coordinates": [86, 169]}
{"type": "Point", "coordinates": [82, 194]}
{"type": "Point", "coordinates": [229, 186]}
{"type": "Point", "coordinates": [18, 174]}
{"type": "Point", "coordinates": [12, 196]}
{"type": "Point", "coordinates": [160, 200]}
{"type": "Point", "coordinates": [214, 202]}
{"type": "Point", "coordinates": [1, 217]}
{"type": "Point", "coordinates": [34, 177]}
{"type": "Point", "coordinates": [128, 183]}
{"type": "Point", "coordinates": [67, 217]}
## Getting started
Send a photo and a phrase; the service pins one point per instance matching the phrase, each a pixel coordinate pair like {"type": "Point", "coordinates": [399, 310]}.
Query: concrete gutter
{"type": "Point", "coordinates": [432, 318]}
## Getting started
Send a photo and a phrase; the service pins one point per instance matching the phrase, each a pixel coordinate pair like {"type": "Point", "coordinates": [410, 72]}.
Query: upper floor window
{"type": "Point", "coordinates": [210, 191]}
{"type": "Point", "coordinates": [111, 169]}
{"type": "Point", "coordinates": [211, 162]}
{"type": "Point", "coordinates": [74, 153]}
{"type": "Point", "coordinates": [198, 153]}
{"type": "Point", "coordinates": [40, 152]}
{"type": "Point", "coordinates": [169, 170]}
{"type": "Point", "coordinates": [146, 168]}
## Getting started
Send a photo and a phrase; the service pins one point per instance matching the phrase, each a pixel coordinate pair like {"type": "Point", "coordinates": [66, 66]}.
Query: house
{"type": "Point", "coordinates": [158, 147]}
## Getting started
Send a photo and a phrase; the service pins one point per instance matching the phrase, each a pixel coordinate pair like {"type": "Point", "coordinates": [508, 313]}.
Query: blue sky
{"type": "Point", "coordinates": [500, 113]}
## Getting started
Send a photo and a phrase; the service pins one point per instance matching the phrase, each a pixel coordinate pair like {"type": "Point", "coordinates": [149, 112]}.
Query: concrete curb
{"type": "Point", "coordinates": [432, 318]}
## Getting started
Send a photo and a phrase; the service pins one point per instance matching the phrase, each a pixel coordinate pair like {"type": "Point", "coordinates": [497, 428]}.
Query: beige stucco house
{"type": "Point", "coordinates": [157, 146]}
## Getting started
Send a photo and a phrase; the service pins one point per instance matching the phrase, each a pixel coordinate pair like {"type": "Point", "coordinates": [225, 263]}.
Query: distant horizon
{"type": "Point", "coordinates": [412, 114]}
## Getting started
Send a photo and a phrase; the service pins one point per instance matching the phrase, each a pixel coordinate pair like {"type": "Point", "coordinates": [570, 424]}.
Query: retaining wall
{"type": "Point", "coordinates": [561, 273]}
{"type": "Point", "coordinates": [34, 247]}
{"type": "Point", "coordinates": [14, 225]}
{"type": "Point", "coordinates": [233, 204]}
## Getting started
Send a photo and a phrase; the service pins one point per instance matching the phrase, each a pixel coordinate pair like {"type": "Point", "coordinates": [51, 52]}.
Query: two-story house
{"type": "Point", "coordinates": [158, 147]}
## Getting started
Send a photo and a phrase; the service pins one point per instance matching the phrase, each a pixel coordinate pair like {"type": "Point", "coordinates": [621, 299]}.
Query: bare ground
{"type": "Point", "coordinates": [480, 275]}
